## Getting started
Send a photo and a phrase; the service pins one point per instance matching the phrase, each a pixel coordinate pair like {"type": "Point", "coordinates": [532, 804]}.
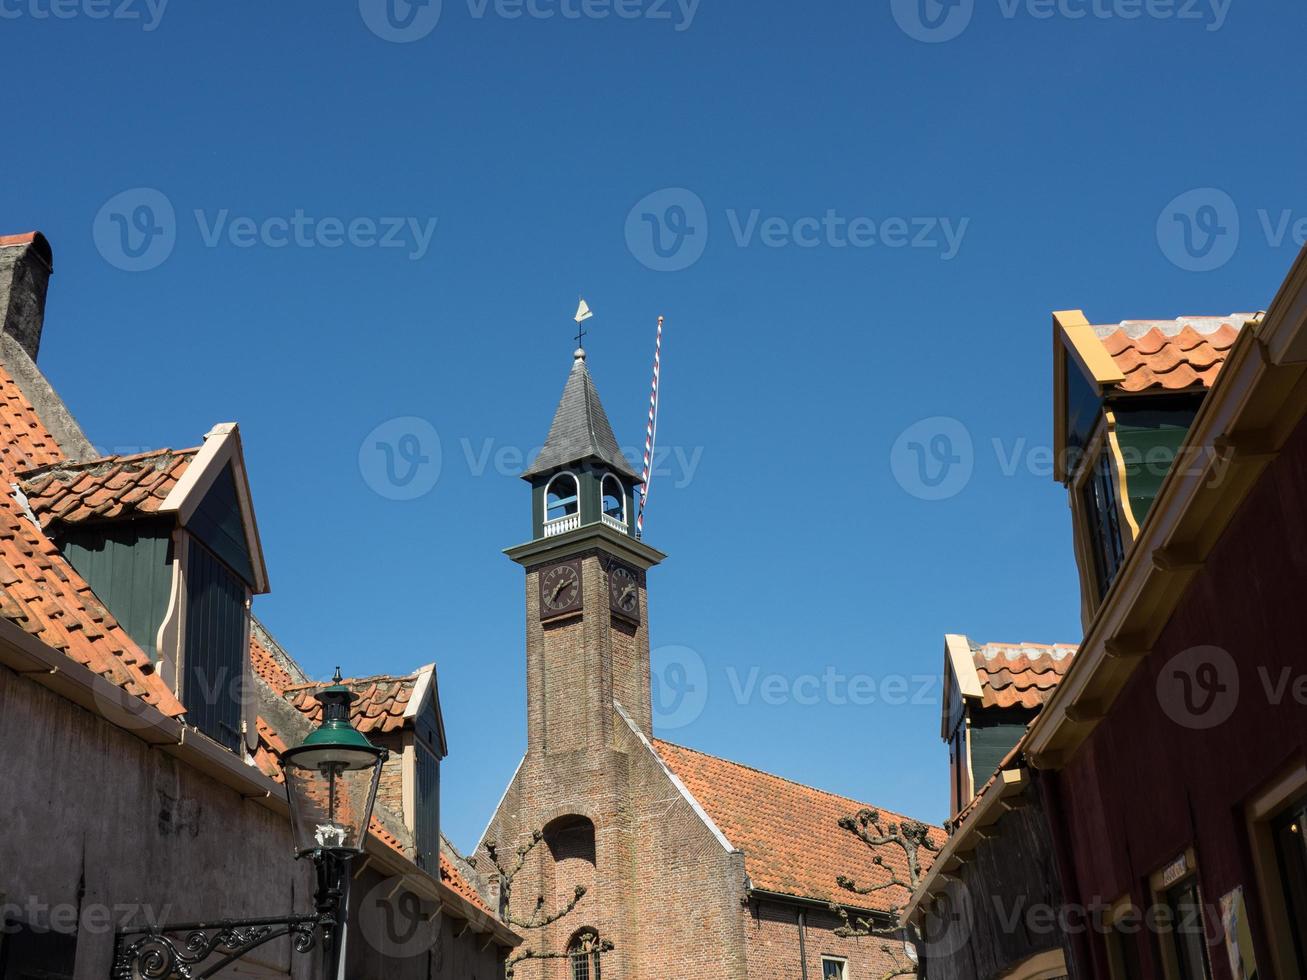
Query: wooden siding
{"type": "Point", "coordinates": [995, 914]}
{"type": "Point", "coordinates": [214, 656]}
{"type": "Point", "coordinates": [426, 821]}
{"type": "Point", "coordinates": [129, 566]}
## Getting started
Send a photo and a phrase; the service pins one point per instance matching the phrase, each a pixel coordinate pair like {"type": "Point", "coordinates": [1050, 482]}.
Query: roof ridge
{"type": "Point", "coordinates": [792, 782]}
{"type": "Point", "coordinates": [347, 681]}
{"type": "Point", "coordinates": [113, 459]}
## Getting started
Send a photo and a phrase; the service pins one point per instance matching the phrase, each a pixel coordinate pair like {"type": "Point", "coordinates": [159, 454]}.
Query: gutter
{"type": "Point", "coordinates": [823, 904]}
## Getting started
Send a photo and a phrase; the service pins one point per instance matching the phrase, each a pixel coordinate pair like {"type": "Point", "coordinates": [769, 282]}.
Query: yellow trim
{"type": "Point", "coordinates": [1073, 334]}
{"type": "Point", "coordinates": [1083, 344]}
{"type": "Point", "coordinates": [1288, 787]}
{"type": "Point", "coordinates": [1125, 514]}
{"type": "Point", "coordinates": [1048, 965]}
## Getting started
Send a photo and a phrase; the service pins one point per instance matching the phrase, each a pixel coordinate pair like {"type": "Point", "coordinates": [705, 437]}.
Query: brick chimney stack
{"type": "Point", "coordinates": [26, 263]}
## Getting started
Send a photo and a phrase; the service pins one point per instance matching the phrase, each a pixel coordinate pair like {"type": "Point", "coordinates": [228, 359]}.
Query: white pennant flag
{"type": "Point", "coordinates": [582, 312]}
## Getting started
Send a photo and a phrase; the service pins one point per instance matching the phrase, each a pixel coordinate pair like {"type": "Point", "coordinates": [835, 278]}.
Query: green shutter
{"type": "Point", "coordinates": [129, 567]}
{"type": "Point", "coordinates": [993, 734]}
{"type": "Point", "coordinates": [1150, 436]}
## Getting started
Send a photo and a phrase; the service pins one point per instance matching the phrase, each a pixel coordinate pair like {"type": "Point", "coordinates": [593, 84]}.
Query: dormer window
{"type": "Point", "coordinates": [1125, 395]}
{"type": "Point", "coordinates": [167, 542]}
{"type": "Point", "coordinates": [562, 504]}
{"type": "Point", "coordinates": [614, 502]}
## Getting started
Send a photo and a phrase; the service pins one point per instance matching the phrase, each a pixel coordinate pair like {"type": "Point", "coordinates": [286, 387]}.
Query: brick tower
{"type": "Point", "coordinates": [587, 664]}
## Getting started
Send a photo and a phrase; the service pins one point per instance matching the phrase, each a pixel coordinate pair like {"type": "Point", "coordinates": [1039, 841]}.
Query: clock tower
{"type": "Point", "coordinates": [586, 610]}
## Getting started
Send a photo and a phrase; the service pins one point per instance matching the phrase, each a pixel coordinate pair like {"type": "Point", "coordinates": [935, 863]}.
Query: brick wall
{"type": "Point", "coordinates": [390, 790]}
{"type": "Point", "coordinates": [773, 945]}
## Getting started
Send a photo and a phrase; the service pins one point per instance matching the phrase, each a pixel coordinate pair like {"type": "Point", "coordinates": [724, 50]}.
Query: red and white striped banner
{"type": "Point", "coordinates": [650, 432]}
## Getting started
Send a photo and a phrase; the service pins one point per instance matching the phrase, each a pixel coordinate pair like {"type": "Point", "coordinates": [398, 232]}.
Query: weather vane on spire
{"type": "Point", "coordinates": [582, 314]}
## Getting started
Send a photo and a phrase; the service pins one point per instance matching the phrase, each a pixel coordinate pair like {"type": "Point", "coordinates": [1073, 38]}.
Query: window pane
{"type": "Point", "coordinates": [1099, 499]}
{"type": "Point", "coordinates": [832, 969]}
{"type": "Point", "coordinates": [1187, 933]}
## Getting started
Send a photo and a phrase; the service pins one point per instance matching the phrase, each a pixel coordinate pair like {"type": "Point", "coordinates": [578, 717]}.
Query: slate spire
{"type": "Point", "coordinates": [580, 430]}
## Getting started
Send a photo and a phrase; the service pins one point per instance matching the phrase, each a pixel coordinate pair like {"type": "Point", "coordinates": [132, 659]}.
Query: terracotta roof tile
{"type": "Point", "coordinates": [1020, 674]}
{"type": "Point", "coordinates": [790, 833]}
{"type": "Point", "coordinates": [39, 590]}
{"type": "Point", "coordinates": [1171, 354]}
{"type": "Point", "coordinates": [380, 707]}
{"type": "Point", "coordinates": [104, 489]}
{"type": "Point", "coordinates": [266, 666]}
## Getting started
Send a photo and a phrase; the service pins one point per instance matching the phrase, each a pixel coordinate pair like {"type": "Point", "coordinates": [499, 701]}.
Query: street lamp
{"type": "Point", "coordinates": [331, 785]}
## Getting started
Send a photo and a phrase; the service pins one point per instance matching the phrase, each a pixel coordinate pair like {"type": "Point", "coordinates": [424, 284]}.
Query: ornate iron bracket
{"type": "Point", "coordinates": [197, 950]}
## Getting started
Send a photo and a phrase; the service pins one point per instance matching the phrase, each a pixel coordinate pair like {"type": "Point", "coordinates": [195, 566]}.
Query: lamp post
{"type": "Point", "coordinates": [331, 785]}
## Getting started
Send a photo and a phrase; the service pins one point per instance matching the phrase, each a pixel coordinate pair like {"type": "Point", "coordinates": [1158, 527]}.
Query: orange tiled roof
{"type": "Point", "coordinates": [108, 488]}
{"type": "Point", "coordinates": [1020, 674]}
{"type": "Point", "coordinates": [266, 666]}
{"type": "Point", "coordinates": [1172, 354]}
{"type": "Point", "coordinates": [39, 590]}
{"type": "Point", "coordinates": [790, 833]}
{"type": "Point", "coordinates": [379, 708]}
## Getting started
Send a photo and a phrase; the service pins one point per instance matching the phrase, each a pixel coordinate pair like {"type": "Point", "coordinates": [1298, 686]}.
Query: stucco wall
{"type": "Point", "coordinates": [100, 827]}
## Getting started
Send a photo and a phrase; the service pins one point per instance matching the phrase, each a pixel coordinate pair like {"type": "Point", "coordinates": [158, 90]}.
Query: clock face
{"type": "Point", "coordinates": [624, 591]}
{"type": "Point", "coordinates": [560, 589]}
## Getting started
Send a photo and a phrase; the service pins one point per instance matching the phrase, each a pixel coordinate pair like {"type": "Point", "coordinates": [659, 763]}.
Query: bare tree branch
{"type": "Point", "coordinates": [538, 918]}
{"type": "Point", "coordinates": [911, 837]}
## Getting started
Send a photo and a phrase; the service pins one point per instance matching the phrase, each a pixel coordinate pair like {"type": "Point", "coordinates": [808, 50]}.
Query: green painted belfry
{"type": "Point", "coordinates": [581, 445]}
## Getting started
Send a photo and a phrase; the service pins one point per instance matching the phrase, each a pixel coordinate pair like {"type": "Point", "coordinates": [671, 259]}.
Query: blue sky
{"type": "Point", "coordinates": [858, 230]}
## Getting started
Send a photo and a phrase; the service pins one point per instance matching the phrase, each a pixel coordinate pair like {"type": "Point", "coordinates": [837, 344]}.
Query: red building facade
{"type": "Point", "coordinates": [1174, 752]}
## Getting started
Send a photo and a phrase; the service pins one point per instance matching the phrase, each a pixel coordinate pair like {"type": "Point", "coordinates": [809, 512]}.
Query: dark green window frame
{"type": "Point", "coordinates": [1102, 519]}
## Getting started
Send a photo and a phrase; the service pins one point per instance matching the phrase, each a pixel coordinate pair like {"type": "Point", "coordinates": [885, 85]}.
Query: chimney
{"type": "Point", "coordinates": [26, 263]}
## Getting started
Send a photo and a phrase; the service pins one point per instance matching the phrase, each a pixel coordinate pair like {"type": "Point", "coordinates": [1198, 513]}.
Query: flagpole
{"type": "Point", "coordinates": [650, 432]}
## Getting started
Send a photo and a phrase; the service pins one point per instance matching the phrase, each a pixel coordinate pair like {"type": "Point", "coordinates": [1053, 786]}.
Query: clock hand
{"type": "Point", "coordinates": [559, 588]}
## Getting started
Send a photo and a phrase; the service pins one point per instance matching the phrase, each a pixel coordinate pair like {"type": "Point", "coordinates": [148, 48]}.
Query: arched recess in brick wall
{"type": "Point", "coordinates": [571, 843]}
